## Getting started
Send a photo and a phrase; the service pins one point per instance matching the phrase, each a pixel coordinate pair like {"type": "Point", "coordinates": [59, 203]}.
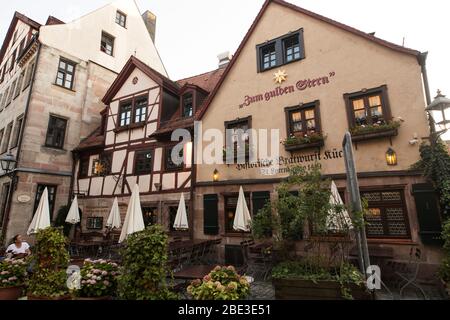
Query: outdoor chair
{"type": "Point", "coordinates": [259, 264]}
{"type": "Point", "coordinates": [196, 254]}
{"type": "Point", "coordinates": [408, 273]}
{"type": "Point", "coordinates": [211, 253]}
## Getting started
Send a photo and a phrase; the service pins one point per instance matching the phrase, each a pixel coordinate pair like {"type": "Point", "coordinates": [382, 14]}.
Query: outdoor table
{"type": "Point", "coordinates": [193, 272]}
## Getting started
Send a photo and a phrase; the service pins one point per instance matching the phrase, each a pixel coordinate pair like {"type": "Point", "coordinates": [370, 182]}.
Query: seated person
{"type": "Point", "coordinates": [19, 248]}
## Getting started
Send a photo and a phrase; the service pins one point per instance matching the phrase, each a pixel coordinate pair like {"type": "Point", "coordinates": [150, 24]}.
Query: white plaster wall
{"type": "Point", "coordinates": [82, 36]}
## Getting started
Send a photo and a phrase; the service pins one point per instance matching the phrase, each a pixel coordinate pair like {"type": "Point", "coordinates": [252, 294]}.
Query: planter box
{"type": "Point", "coordinates": [12, 293]}
{"type": "Point", "coordinates": [295, 147]}
{"type": "Point", "coordinates": [374, 135]}
{"type": "Point", "coordinates": [294, 289]}
{"type": "Point", "coordinates": [33, 297]}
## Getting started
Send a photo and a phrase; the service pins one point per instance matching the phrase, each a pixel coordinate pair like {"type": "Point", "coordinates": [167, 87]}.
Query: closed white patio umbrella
{"type": "Point", "coordinates": [134, 221]}
{"type": "Point", "coordinates": [338, 221]}
{"type": "Point", "coordinates": [114, 221]}
{"type": "Point", "coordinates": [242, 218]}
{"type": "Point", "coordinates": [73, 217]}
{"type": "Point", "coordinates": [181, 220]}
{"type": "Point", "coordinates": [41, 219]}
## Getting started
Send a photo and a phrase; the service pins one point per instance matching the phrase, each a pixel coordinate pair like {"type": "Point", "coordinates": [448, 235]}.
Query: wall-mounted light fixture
{"type": "Point", "coordinates": [158, 186]}
{"type": "Point", "coordinates": [216, 175]}
{"type": "Point", "coordinates": [391, 157]}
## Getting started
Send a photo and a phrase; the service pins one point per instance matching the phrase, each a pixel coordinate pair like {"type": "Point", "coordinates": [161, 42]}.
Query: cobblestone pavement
{"type": "Point", "coordinates": [260, 290]}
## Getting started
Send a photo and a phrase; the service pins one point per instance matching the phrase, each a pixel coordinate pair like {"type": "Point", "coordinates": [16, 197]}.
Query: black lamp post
{"type": "Point", "coordinates": [8, 163]}
{"type": "Point", "coordinates": [439, 114]}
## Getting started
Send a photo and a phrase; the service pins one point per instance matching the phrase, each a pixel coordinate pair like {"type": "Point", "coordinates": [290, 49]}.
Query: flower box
{"type": "Point", "coordinates": [11, 293]}
{"type": "Point", "coordinates": [356, 137]}
{"type": "Point", "coordinates": [296, 289]}
{"type": "Point", "coordinates": [302, 146]}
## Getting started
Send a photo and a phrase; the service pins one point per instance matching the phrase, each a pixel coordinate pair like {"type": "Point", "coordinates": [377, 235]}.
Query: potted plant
{"type": "Point", "coordinates": [50, 261]}
{"type": "Point", "coordinates": [13, 277]}
{"type": "Point", "coordinates": [223, 283]}
{"type": "Point", "coordinates": [321, 270]}
{"type": "Point", "coordinates": [144, 267]}
{"type": "Point", "coordinates": [98, 280]}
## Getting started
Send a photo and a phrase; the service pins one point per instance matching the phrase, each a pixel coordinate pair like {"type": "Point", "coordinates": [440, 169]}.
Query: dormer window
{"type": "Point", "coordinates": [121, 18]}
{"type": "Point", "coordinates": [188, 105]}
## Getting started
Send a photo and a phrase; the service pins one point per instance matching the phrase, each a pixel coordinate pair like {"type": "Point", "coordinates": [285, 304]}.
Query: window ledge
{"type": "Point", "coordinates": [236, 234]}
{"type": "Point", "coordinates": [62, 87]}
{"type": "Point", "coordinates": [129, 127]}
{"type": "Point", "coordinates": [302, 146]}
{"type": "Point", "coordinates": [375, 135]}
{"type": "Point", "coordinates": [54, 149]}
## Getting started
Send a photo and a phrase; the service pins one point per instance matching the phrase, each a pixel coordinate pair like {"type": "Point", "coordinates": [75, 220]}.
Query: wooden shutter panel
{"type": "Point", "coordinates": [211, 214]}
{"type": "Point", "coordinates": [427, 206]}
{"type": "Point", "coordinates": [259, 200]}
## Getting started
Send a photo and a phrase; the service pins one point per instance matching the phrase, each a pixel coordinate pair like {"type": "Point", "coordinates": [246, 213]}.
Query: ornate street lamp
{"type": "Point", "coordinates": [8, 164]}
{"type": "Point", "coordinates": [439, 113]}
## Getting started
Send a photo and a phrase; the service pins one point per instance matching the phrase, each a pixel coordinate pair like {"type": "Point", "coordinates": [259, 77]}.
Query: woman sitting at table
{"type": "Point", "coordinates": [19, 248]}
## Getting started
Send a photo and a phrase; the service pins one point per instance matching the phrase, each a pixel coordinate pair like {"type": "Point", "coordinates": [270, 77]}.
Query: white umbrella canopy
{"type": "Point", "coordinates": [338, 221]}
{"type": "Point", "coordinates": [41, 219]}
{"type": "Point", "coordinates": [114, 220]}
{"type": "Point", "coordinates": [134, 221]}
{"type": "Point", "coordinates": [242, 218]}
{"type": "Point", "coordinates": [181, 220]}
{"type": "Point", "coordinates": [73, 217]}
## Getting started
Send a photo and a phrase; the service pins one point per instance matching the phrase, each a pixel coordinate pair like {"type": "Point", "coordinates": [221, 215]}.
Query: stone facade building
{"type": "Point", "coordinates": [54, 77]}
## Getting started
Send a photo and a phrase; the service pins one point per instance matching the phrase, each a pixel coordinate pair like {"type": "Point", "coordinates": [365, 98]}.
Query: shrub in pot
{"type": "Point", "coordinates": [98, 280]}
{"type": "Point", "coordinates": [13, 277]}
{"type": "Point", "coordinates": [223, 283]}
{"type": "Point", "coordinates": [303, 211]}
{"type": "Point", "coordinates": [49, 262]}
{"type": "Point", "coordinates": [144, 268]}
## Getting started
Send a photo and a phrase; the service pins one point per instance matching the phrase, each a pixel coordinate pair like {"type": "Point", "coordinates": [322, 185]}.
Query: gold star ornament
{"type": "Point", "coordinates": [280, 76]}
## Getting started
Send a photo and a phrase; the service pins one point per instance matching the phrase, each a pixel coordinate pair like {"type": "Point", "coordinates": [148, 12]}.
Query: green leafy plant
{"type": "Point", "coordinates": [379, 126]}
{"type": "Point", "coordinates": [435, 164]}
{"type": "Point", "coordinates": [50, 261]}
{"type": "Point", "coordinates": [98, 278]}
{"type": "Point", "coordinates": [444, 270]}
{"type": "Point", "coordinates": [144, 266]}
{"type": "Point", "coordinates": [13, 273]}
{"type": "Point", "coordinates": [305, 139]}
{"type": "Point", "coordinates": [223, 283]}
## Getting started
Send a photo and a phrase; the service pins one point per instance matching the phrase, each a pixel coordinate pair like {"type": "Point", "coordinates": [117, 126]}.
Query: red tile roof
{"type": "Point", "coordinates": [94, 140]}
{"type": "Point", "coordinates": [207, 81]}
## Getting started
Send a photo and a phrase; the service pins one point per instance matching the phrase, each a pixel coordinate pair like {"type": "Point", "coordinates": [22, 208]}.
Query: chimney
{"type": "Point", "coordinates": [224, 59]}
{"type": "Point", "coordinates": [150, 22]}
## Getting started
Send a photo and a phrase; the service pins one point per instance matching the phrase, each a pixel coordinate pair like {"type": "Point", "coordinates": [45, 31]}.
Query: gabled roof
{"type": "Point", "coordinates": [12, 26]}
{"type": "Point", "coordinates": [129, 67]}
{"type": "Point", "coordinates": [311, 14]}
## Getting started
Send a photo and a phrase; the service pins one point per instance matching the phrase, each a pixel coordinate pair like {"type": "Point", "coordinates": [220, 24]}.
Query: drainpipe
{"type": "Point", "coordinates": [14, 179]}
{"type": "Point", "coordinates": [72, 178]}
{"type": "Point", "coordinates": [422, 57]}
{"type": "Point", "coordinates": [192, 189]}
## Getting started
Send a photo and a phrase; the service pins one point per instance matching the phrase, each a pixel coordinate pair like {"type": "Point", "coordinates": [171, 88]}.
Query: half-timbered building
{"type": "Point", "coordinates": [134, 146]}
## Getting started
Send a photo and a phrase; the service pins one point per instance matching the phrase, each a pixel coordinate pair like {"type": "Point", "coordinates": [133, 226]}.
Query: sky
{"type": "Point", "coordinates": [190, 34]}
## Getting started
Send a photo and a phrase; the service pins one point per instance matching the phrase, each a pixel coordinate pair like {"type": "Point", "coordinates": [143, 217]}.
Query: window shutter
{"type": "Point", "coordinates": [427, 207]}
{"type": "Point", "coordinates": [259, 200]}
{"type": "Point", "coordinates": [211, 214]}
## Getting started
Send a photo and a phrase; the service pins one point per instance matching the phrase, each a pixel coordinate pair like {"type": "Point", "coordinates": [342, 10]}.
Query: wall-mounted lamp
{"type": "Point", "coordinates": [158, 186]}
{"type": "Point", "coordinates": [216, 175]}
{"type": "Point", "coordinates": [391, 157]}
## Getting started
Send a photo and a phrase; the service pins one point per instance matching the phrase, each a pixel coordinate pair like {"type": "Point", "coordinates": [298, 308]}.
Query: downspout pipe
{"type": "Point", "coordinates": [15, 178]}
{"type": "Point", "coordinates": [422, 57]}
